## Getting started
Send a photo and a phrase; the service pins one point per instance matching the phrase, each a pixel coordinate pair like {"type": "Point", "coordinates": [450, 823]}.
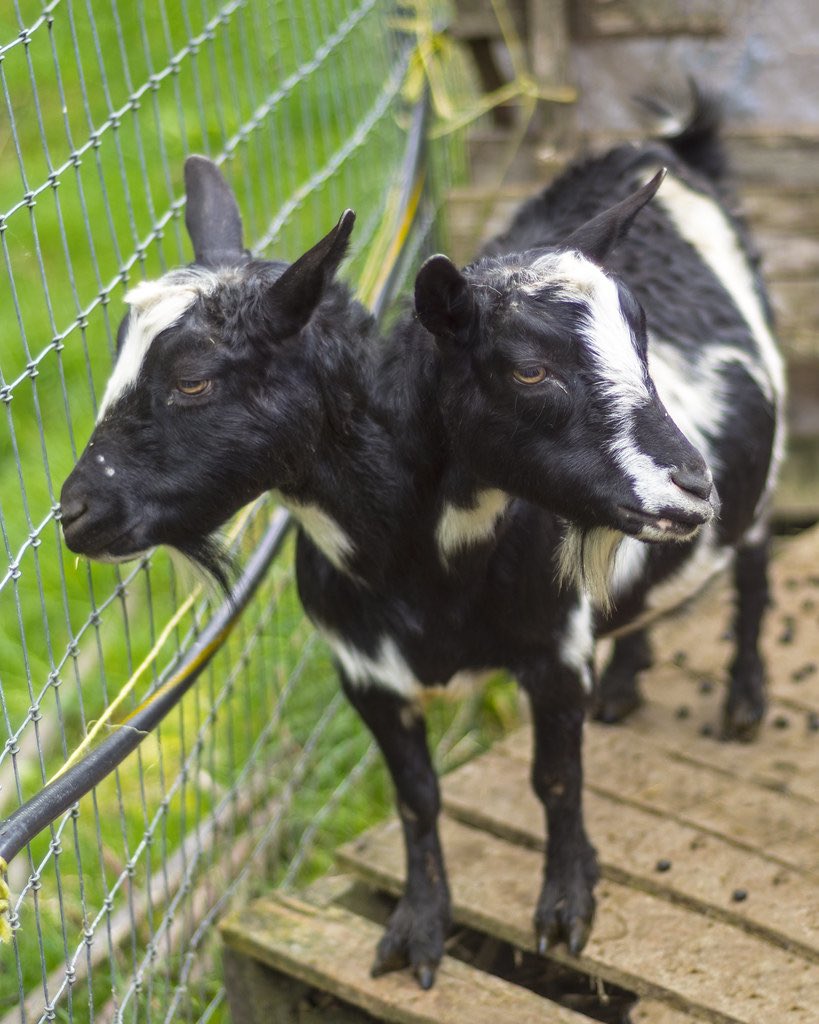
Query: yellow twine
{"type": "Point", "coordinates": [146, 662]}
{"type": "Point", "coordinates": [434, 50]}
{"type": "Point", "coordinates": [5, 902]}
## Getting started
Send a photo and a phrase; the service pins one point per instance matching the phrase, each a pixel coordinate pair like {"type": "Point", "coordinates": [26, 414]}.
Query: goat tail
{"type": "Point", "coordinates": [696, 139]}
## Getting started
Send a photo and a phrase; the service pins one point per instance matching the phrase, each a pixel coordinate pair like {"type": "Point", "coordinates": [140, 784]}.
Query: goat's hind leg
{"type": "Point", "coordinates": [617, 691]}
{"type": "Point", "coordinates": [566, 906]}
{"type": "Point", "coordinates": [417, 928]}
{"type": "Point", "coordinates": [745, 705]}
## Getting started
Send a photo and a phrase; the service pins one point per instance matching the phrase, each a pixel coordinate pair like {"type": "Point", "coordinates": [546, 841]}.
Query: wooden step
{"type": "Point", "coordinates": [709, 905]}
{"type": "Point", "coordinates": [660, 950]}
{"type": "Point", "coordinates": [329, 949]}
{"type": "Point", "coordinates": [704, 870]}
{"type": "Point", "coordinates": [697, 640]}
{"type": "Point", "coordinates": [625, 766]}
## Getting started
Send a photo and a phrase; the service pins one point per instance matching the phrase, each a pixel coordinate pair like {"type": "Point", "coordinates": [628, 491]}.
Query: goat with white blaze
{"type": "Point", "coordinates": [457, 485]}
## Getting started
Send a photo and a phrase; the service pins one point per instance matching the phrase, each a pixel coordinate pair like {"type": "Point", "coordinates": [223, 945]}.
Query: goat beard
{"type": "Point", "coordinates": [211, 556]}
{"type": "Point", "coordinates": [586, 561]}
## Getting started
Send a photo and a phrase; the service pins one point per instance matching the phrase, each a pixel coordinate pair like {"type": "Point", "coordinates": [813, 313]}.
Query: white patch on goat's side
{"type": "Point", "coordinates": [694, 395]}
{"type": "Point", "coordinates": [328, 536]}
{"type": "Point", "coordinates": [586, 559]}
{"type": "Point", "coordinates": [459, 527]}
{"type": "Point", "coordinates": [155, 306]}
{"type": "Point", "coordinates": [388, 670]}
{"type": "Point", "coordinates": [577, 642]}
{"type": "Point", "coordinates": [702, 223]}
{"type": "Point", "coordinates": [705, 226]}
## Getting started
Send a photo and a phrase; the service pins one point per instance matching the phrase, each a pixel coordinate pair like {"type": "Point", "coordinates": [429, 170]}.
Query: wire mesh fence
{"type": "Point", "coordinates": [262, 768]}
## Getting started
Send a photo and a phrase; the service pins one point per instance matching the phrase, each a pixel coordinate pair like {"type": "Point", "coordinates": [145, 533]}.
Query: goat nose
{"type": "Point", "coordinates": [695, 480]}
{"type": "Point", "coordinates": [72, 507]}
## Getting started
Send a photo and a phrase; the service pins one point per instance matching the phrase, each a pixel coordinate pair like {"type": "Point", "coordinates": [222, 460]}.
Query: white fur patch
{"type": "Point", "coordinates": [324, 531]}
{"type": "Point", "coordinates": [629, 565]}
{"type": "Point", "coordinates": [706, 227]}
{"type": "Point", "coordinates": [460, 528]}
{"type": "Point", "coordinates": [155, 306]}
{"type": "Point", "coordinates": [577, 643]}
{"type": "Point", "coordinates": [620, 374]}
{"type": "Point", "coordinates": [620, 371]}
{"type": "Point", "coordinates": [586, 559]}
{"type": "Point", "coordinates": [702, 223]}
{"type": "Point", "coordinates": [694, 395]}
{"type": "Point", "coordinates": [389, 671]}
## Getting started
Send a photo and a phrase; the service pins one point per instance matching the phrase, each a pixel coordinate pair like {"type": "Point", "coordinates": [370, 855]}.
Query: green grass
{"type": "Point", "coordinates": [69, 252]}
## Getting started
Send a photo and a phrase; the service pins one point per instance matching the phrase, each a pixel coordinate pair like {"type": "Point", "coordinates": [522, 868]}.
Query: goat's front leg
{"type": "Point", "coordinates": [745, 704]}
{"type": "Point", "coordinates": [617, 691]}
{"type": "Point", "coordinates": [417, 928]}
{"type": "Point", "coordinates": [566, 906]}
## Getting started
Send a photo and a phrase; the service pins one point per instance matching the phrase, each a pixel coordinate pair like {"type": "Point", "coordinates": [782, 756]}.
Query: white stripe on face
{"type": "Point", "coordinates": [619, 369]}
{"type": "Point", "coordinates": [620, 372]}
{"type": "Point", "coordinates": [155, 306]}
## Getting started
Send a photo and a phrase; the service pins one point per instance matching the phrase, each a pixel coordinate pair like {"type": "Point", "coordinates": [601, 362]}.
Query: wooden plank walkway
{"type": "Point", "coordinates": [708, 909]}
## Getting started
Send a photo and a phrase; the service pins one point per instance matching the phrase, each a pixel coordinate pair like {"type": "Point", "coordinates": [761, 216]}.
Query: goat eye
{"type": "Point", "coordinates": [530, 374]}
{"type": "Point", "coordinates": [193, 387]}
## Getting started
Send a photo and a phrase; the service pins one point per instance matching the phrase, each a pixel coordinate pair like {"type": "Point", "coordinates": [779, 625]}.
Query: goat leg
{"type": "Point", "coordinates": [417, 928]}
{"type": "Point", "coordinates": [566, 906]}
{"type": "Point", "coordinates": [745, 705]}
{"type": "Point", "coordinates": [617, 692]}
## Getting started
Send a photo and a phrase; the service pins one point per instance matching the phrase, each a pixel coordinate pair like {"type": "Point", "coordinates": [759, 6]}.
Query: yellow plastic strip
{"type": "Point", "coordinates": [5, 901]}
{"type": "Point", "coordinates": [145, 664]}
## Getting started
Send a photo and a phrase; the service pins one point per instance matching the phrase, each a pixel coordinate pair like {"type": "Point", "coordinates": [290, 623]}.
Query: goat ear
{"type": "Point", "coordinates": [597, 238]}
{"type": "Point", "coordinates": [211, 215]}
{"type": "Point", "coordinates": [443, 298]}
{"type": "Point", "coordinates": [298, 291]}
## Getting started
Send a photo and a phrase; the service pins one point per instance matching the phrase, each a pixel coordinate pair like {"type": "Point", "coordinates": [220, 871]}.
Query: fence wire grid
{"type": "Point", "coordinates": [262, 768]}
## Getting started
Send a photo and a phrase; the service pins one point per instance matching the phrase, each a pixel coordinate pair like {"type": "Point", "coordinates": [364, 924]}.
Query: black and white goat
{"type": "Point", "coordinates": [472, 493]}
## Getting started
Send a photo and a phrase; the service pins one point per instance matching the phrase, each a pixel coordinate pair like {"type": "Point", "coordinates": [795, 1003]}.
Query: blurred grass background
{"type": "Point", "coordinates": [262, 769]}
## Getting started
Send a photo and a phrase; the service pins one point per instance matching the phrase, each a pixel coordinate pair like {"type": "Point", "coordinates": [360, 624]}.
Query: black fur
{"type": "Point", "coordinates": [396, 438]}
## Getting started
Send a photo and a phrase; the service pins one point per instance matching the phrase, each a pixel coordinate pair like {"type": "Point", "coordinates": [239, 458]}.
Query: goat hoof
{"type": "Point", "coordinates": [425, 974]}
{"type": "Point", "coordinates": [565, 912]}
{"type": "Point", "coordinates": [741, 721]}
{"type": "Point", "coordinates": [613, 708]}
{"type": "Point", "coordinates": [414, 938]}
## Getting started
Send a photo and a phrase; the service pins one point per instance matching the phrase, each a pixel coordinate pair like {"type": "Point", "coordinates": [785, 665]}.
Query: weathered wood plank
{"type": "Point", "coordinates": [683, 712]}
{"type": "Point", "coordinates": [651, 1011]}
{"type": "Point", "coordinates": [773, 160]}
{"type": "Point", "coordinates": [257, 994]}
{"type": "Point", "coordinates": [643, 943]}
{"type": "Point", "coordinates": [493, 793]}
{"type": "Point", "coordinates": [632, 769]}
{"type": "Point", "coordinates": [605, 18]}
{"type": "Point", "coordinates": [699, 636]}
{"type": "Point", "coordinates": [332, 949]}
{"type": "Point", "coordinates": [796, 305]}
{"type": "Point", "coordinates": [475, 19]}
{"type": "Point", "coordinates": [788, 257]}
